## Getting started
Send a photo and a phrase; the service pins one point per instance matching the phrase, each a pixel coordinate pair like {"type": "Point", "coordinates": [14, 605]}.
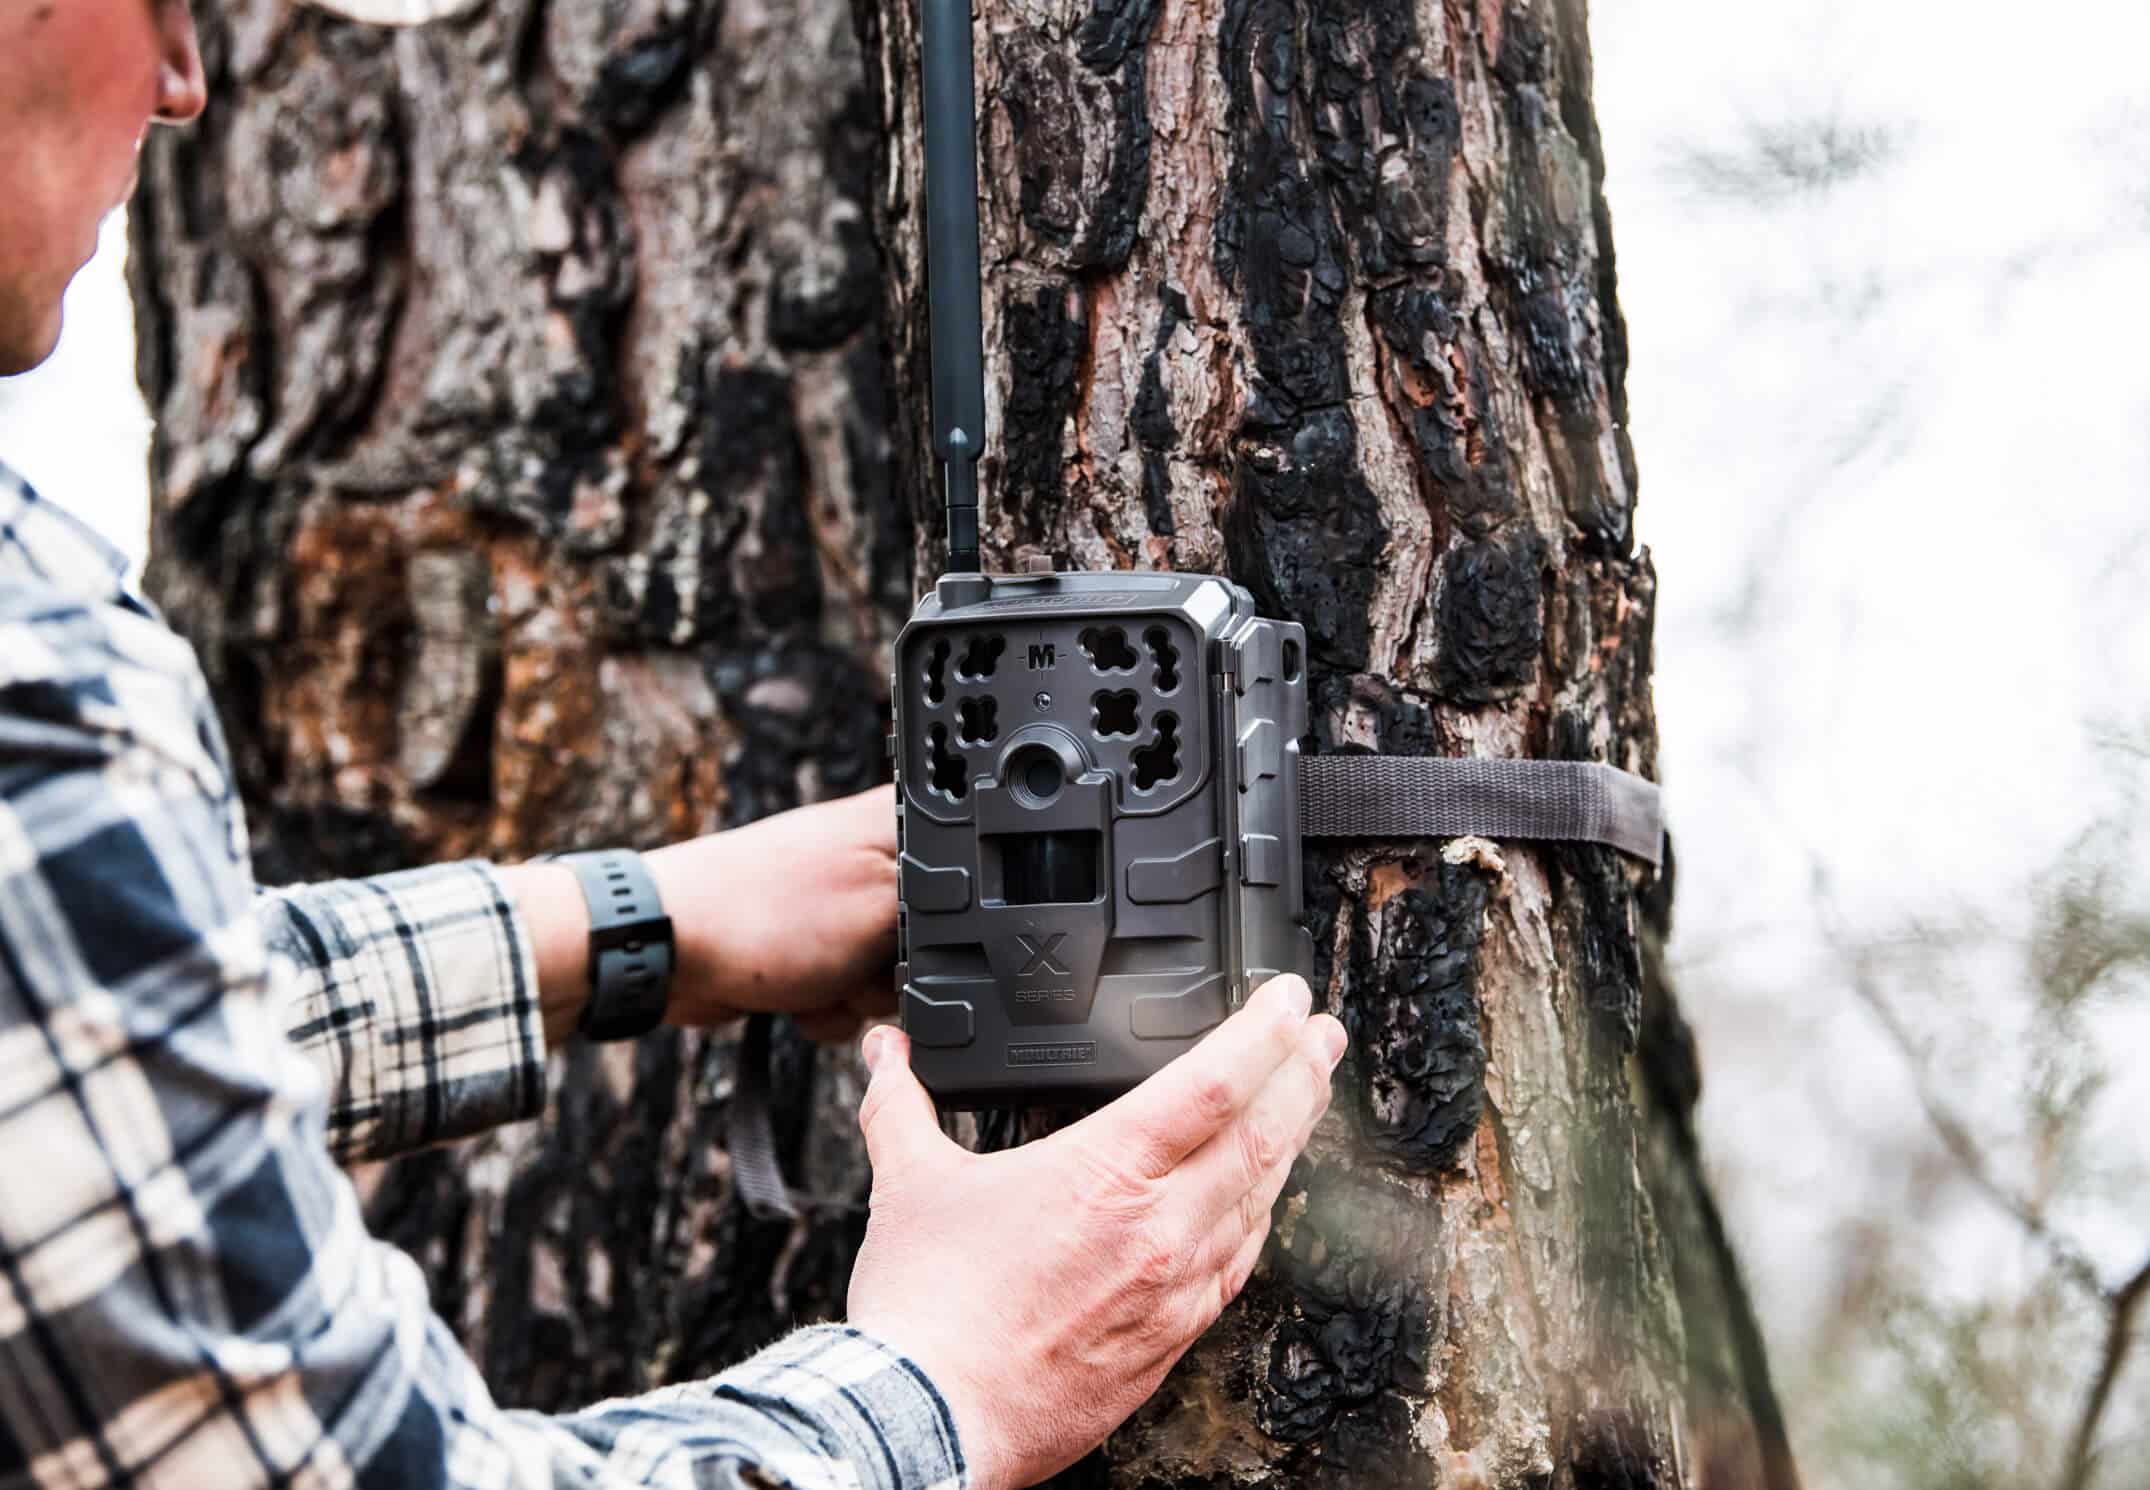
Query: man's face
{"type": "Point", "coordinates": [81, 81]}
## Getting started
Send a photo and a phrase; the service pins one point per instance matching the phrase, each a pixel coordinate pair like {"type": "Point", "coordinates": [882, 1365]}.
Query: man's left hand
{"type": "Point", "coordinates": [795, 914]}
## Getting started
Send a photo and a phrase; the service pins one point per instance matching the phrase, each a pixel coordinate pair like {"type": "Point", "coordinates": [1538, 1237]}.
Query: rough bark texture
{"type": "Point", "coordinates": [1322, 296]}
{"type": "Point", "coordinates": [538, 436]}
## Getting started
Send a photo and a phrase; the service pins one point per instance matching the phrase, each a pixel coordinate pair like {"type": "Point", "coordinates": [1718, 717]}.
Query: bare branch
{"type": "Point", "coordinates": [2119, 1335]}
{"type": "Point", "coordinates": [1955, 1135]}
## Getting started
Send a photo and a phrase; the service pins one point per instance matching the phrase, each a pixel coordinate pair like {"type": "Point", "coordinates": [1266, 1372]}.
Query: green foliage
{"type": "Point", "coordinates": [1970, 1395]}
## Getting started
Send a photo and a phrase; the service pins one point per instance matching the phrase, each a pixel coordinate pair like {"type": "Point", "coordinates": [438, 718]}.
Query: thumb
{"type": "Point", "coordinates": [897, 1115]}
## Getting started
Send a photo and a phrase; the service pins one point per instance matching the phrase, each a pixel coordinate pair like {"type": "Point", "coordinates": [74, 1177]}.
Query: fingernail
{"type": "Point", "coordinates": [870, 1049]}
{"type": "Point", "coordinates": [1337, 1040]}
{"type": "Point", "coordinates": [1298, 998]}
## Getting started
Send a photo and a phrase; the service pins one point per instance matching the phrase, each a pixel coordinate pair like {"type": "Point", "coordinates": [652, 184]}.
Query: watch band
{"type": "Point", "coordinates": [631, 953]}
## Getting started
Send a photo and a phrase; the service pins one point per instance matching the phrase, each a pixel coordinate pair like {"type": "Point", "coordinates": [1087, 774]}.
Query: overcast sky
{"type": "Point", "coordinates": [1894, 436]}
{"type": "Point", "coordinates": [1882, 264]}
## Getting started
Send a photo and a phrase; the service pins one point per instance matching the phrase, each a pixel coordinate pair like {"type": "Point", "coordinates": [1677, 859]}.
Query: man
{"type": "Point", "coordinates": [187, 1294]}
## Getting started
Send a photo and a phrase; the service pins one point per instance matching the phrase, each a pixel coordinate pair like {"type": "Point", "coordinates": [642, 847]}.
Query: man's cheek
{"type": "Point", "coordinates": [29, 338]}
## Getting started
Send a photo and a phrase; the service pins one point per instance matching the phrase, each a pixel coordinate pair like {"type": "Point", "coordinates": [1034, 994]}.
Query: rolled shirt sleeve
{"type": "Point", "coordinates": [415, 995]}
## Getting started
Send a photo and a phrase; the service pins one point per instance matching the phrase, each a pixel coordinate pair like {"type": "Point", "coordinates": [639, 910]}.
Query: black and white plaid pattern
{"type": "Point", "coordinates": [417, 998]}
{"type": "Point", "coordinates": [188, 1296]}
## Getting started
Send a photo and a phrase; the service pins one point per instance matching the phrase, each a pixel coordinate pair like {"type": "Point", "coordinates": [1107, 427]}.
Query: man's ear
{"type": "Point", "coordinates": [395, 12]}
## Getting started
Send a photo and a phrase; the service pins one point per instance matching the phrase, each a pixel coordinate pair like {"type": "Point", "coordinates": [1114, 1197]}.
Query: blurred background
{"type": "Point", "coordinates": [1882, 265]}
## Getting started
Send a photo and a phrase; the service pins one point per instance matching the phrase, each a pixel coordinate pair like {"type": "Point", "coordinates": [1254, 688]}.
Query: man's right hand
{"type": "Point", "coordinates": [1047, 1290]}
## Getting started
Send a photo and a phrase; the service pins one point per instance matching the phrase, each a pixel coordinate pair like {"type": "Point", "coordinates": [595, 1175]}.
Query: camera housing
{"type": "Point", "coordinates": [1098, 798]}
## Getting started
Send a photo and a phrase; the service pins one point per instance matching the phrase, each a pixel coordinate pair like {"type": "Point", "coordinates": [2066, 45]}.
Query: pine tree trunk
{"type": "Point", "coordinates": [1322, 296]}
{"type": "Point", "coordinates": [538, 438]}
{"type": "Point", "coordinates": [520, 475]}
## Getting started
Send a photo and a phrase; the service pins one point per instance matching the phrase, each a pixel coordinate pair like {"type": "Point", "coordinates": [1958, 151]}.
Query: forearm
{"type": "Point", "coordinates": [285, 1305]}
{"type": "Point", "coordinates": [191, 1284]}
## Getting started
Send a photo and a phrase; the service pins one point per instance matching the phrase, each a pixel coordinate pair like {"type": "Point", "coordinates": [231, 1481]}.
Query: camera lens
{"type": "Point", "coordinates": [1039, 772]}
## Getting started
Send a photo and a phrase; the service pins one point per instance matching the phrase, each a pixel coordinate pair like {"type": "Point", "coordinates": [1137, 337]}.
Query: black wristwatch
{"type": "Point", "coordinates": [631, 952]}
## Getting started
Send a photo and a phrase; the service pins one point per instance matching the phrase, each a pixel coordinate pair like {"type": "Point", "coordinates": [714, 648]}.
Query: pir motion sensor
{"type": "Point", "coordinates": [1102, 796]}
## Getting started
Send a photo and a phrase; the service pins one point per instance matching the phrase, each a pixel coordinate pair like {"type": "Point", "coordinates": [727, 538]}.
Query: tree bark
{"type": "Point", "coordinates": [538, 437]}
{"type": "Point", "coordinates": [520, 475]}
{"type": "Point", "coordinates": [1322, 296]}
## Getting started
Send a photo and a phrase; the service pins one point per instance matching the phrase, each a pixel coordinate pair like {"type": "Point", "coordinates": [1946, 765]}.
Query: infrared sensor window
{"type": "Point", "coordinates": [1048, 868]}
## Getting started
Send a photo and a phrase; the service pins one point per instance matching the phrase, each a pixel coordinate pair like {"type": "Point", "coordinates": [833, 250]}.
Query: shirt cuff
{"type": "Point", "coordinates": [848, 1399]}
{"type": "Point", "coordinates": [417, 999]}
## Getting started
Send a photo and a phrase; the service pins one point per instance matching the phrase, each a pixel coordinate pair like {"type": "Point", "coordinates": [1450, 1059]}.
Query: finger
{"type": "Point", "coordinates": [1252, 1215]}
{"type": "Point", "coordinates": [1183, 1106]}
{"type": "Point", "coordinates": [1270, 1132]}
{"type": "Point", "coordinates": [896, 1114]}
{"type": "Point", "coordinates": [1232, 1282]}
{"type": "Point", "coordinates": [875, 811]}
{"type": "Point", "coordinates": [1209, 1292]}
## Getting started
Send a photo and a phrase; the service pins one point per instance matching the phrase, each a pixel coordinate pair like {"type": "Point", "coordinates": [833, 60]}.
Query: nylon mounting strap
{"type": "Point", "coordinates": [749, 1134]}
{"type": "Point", "coordinates": [1397, 796]}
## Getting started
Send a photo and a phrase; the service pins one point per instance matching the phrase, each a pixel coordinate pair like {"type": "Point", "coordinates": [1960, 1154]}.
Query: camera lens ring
{"type": "Point", "coordinates": [1037, 772]}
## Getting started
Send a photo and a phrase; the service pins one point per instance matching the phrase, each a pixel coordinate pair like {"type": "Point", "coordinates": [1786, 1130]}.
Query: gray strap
{"type": "Point", "coordinates": [756, 1175]}
{"type": "Point", "coordinates": [1397, 796]}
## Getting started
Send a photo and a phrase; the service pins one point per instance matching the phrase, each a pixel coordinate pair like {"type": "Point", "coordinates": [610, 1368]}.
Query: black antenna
{"type": "Point", "coordinates": [952, 291]}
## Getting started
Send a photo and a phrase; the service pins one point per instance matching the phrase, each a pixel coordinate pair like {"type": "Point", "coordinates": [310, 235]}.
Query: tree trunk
{"type": "Point", "coordinates": [520, 474]}
{"type": "Point", "coordinates": [1322, 296]}
{"type": "Point", "coordinates": [538, 433]}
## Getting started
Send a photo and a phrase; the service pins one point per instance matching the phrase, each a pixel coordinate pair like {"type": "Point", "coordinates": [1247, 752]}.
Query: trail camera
{"type": "Point", "coordinates": [1100, 801]}
{"type": "Point", "coordinates": [1100, 783]}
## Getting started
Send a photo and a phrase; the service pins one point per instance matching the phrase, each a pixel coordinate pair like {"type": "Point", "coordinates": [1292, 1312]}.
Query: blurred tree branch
{"type": "Point", "coordinates": [1775, 161]}
{"type": "Point", "coordinates": [2122, 1304]}
{"type": "Point", "coordinates": [1955, 1135]}
{"type": "Point", "coordinates": [2082, 938]}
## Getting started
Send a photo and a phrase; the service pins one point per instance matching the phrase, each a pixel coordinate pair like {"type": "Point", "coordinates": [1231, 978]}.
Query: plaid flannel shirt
{"type": "Point", "coordinates": [188, 1296]}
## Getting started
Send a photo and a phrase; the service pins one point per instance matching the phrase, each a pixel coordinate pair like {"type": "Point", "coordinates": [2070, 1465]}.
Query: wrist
{"type": "Point", "coordinates": [557, 919]}
{"type": "Point", "coordinates": [630, 947]}
{"type": "Point", "coordinates": [701, 976]}
{"type": "Point", "coordinates": [988, 1462]}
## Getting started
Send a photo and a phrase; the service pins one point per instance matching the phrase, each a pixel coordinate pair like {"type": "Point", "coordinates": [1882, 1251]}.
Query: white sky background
{"type": "Point", "coordinates": [1894, 440]}
{"type": "Point", "coordinates": [1895, 443]}
{"type": "Point", "coordinates": [76, 428]}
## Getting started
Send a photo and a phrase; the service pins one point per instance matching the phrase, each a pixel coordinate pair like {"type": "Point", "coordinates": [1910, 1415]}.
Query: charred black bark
{"type": "Point", "coordinates": [1047, 332]}
{"type": "Point", "coordinates": [1492, 626]}
{"type": "Point", "coordinates": [1417, 1054]}
{"type": "Point", "coordinates": [1364, 355]}
{"type": "Point", "coordinates": [1359, 1330]}
{"type": "Point", "coordinates": [1152, 422]}
{"type": "Point", "coordinates": [1305, 530]}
